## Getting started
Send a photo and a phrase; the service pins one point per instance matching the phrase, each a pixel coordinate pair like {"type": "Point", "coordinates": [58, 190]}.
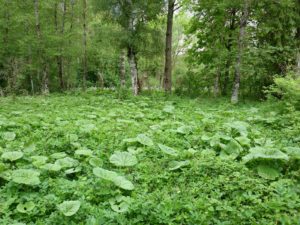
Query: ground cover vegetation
{"type": "Point", "coordinates": [149, 112]}
{"type": "Point", "coordinates": [96, 159]}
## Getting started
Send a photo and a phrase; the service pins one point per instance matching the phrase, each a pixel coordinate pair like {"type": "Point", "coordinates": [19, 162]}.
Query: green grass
{"type": "Point", "coordinates": [189, 161]}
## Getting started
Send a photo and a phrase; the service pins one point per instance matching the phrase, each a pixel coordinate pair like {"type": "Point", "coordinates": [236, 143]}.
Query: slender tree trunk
{"type": "Point", "coordinates": [123, 68]}
{"type": "Point", "coordinates": [168, 50]}
{"type": "Point", "coordinates": [237, 77]}
{"type": "Point", "coordinates": [85, 70]}
{"type": "Point", "coordinates": [45, 79]}
{"type": "Point", "coordinates": [68, 59]}
{"type": "Point", "coordinates": [60, 58]}
{"type": "Point", "coordinates": [100, 79]}
{"type": "Point", "coordinates": [134, 71]}
{"type": "Point", "coordinates": [298, 54]}
{"type": "Point", "coordinates": [229, 48]}
{"type": "Point", "coordinates": [298, 64]}
{"type": "Point", "coordinates": [45, 66]}
{"type": "Point", "coordinates": [132, 54]}
{"type": "Point", "coordinates": [6, 55]}
{"type": "Point", "coordinates": [217, 83]}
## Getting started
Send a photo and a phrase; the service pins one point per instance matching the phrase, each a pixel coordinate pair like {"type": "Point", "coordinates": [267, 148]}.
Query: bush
{"type": "Point", "coordinates": [288, 88]}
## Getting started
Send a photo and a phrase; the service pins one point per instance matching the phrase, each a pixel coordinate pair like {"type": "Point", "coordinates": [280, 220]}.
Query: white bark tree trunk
{"type": "Point", "coordinates": [134, 72]}
{"type": "Point", "coordinates": [123, 68]}
{"type": "Point", "coordinates": [298, 64]}
{"type": "Point", "coordinates": [217, 84]}
{"type": "Point", "coordinates": [45, 77]}
{"type": "Point", "coordinates": [237, 78]}
{"type": "Point", "coordinates": [85, 71]}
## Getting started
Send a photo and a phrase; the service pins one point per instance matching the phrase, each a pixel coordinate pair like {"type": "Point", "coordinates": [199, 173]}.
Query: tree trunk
{"type": "Point", "coordinates": [298, 54]}
{"type": "Point", "coordinates": [100, 79]}
{"type": "Point", "coordinates": [123, 68]}
{"type": "Point", "coordinates": [85, 70]}
{"type": "Point", "coordinates": [168, 50]}
{"type": "Point", "coordinates": [217, 84]}
{"type": "Point", "coordinates": [45, 89]}
{"type": "Point", "coordinates": [6, 55]}
{"type": "Point", "coordinates": [12, 81]}
{"type": "Point", "coordinates": [132, 54]}
{"type": "Point", "coordinates": [45, 77]}
{"type": "Point", "coordinates": [60, 58]}
{"type": "Point", "coordinates": [298, 64]}
{"type": "Point", "coordinates": [237, 77]}
{"type": "Point", "coordinates": [134, 71]}
{"type": "Point", "coordinates": [229, 48]}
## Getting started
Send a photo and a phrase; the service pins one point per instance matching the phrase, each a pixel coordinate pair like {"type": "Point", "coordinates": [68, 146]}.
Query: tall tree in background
{"type": "Point", "coordinates": [168, 50]}
{"type": "Point", "coordinates": [132, 49]}
{"type": "Point", "coordinates": [85, 69]}
{"type": "Point", "coordinates": [123, 68]}
{"type": "Point", "coordinates": [241, 40]}
{"type": "Point", "coordinates": [298, 39]}
{"type": "Point", "coordinates": [229, 45]}
{"type": "Point", "coordinates": [60, 33]}
{"type": "Point", "coordinates": [43, 61]}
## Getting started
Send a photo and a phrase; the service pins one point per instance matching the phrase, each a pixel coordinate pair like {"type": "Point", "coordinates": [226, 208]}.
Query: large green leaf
{"type": "Point", "coordinates": [9, 136]}
{"type": "Point", "coordinates": [123, 159]}
{"type": "Point", "coordinates": [265, 153]}
{"type": "Point", "coordinates": [96, 162]}
{"type": "Point", "coordinates": [175, 165]}
{"type": "Point", "coordinates": [26, 176]}
{"type": "Point", "coordinates": [51, 167]}
{"type": "Point", "coordinates": [231, 150]}
{"type": "Point", "coordinates": [25, 207]}
{"type": "Point", "coordinates": [244, 141]}
{"type": "Point", "coordinates": [104, 174]}
{"type": "Point", "coordinates": [267, 172]}
{"type": "Point", "coordinates": [168, 150]}
{"type": "Point", "coordinates": [184, 130]}
{"type": "Point", "coordinates": [293, 152]}
{"type": "Point", "coordinates": [83, 152]}
{"type": "Point", "coordinates": [118, 180]}
{"type": "Point", "coordinates": [66, 162]}
{"type": "Point", "coordinates": [58, 155]}
{"type": "Point", "coordinates": [12, 156]}
{"type": "Point", "coordinates": [240, 127]}
{"type": "Point", "coordinates": [144, 140]}
{"type": "Point", "coordinates": [123, 183]}
{"type": "Point", "coordinates": [39, 160]}
{"type": "Point", "coordinates": [69, 208]}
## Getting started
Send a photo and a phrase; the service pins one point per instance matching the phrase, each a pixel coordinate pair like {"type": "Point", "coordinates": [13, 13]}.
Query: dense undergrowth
{"type": "Point", "coordinates": [96, 159]}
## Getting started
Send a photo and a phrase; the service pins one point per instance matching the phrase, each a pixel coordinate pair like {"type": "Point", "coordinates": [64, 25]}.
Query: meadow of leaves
{"type": "Point", "coordinates": [95, 159]}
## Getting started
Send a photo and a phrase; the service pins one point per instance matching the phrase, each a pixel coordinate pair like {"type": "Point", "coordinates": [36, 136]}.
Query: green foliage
{"type": "Point", "coordinates": [12, 156]}
{"type": "Point", "coordinates": [270, 45]}
{"type": "Point", "coordinates": [25, 176]}
{"type": "Point", "coordinates": [288, 88]}
{"type": "Point", "coordinates": [69, 208]}
{"type": "Point", "coordinates": [123, 159]}
{"type": "Point", "coordinates": [26, 207]}
{"type": "Point", "coordinates": [148, 160]}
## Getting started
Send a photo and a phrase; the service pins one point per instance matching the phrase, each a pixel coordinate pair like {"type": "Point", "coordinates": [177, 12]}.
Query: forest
{"type": "Point", "coordinates": [149, 112]}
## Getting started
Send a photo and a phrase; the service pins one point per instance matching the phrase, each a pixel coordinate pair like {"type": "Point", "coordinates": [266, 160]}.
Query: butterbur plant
{"type": "Point", "coordinates": [267, 161]}
{"type": "Point", "coordinates": [104, 160]}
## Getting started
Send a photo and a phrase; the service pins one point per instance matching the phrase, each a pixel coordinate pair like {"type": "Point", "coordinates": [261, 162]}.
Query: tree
{"type": "Point", "coordinates": [44, 62]}
{"type": "Point", "coordinates": [168, 48]}
{"type": "Point", "coordinates": [85, 69]}
{"type": "Point", "coordinates": [241, 40]}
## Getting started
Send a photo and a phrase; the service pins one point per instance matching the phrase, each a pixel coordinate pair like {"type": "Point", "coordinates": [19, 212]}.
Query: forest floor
{"type": "Point", "coordinates": [96, 159]}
